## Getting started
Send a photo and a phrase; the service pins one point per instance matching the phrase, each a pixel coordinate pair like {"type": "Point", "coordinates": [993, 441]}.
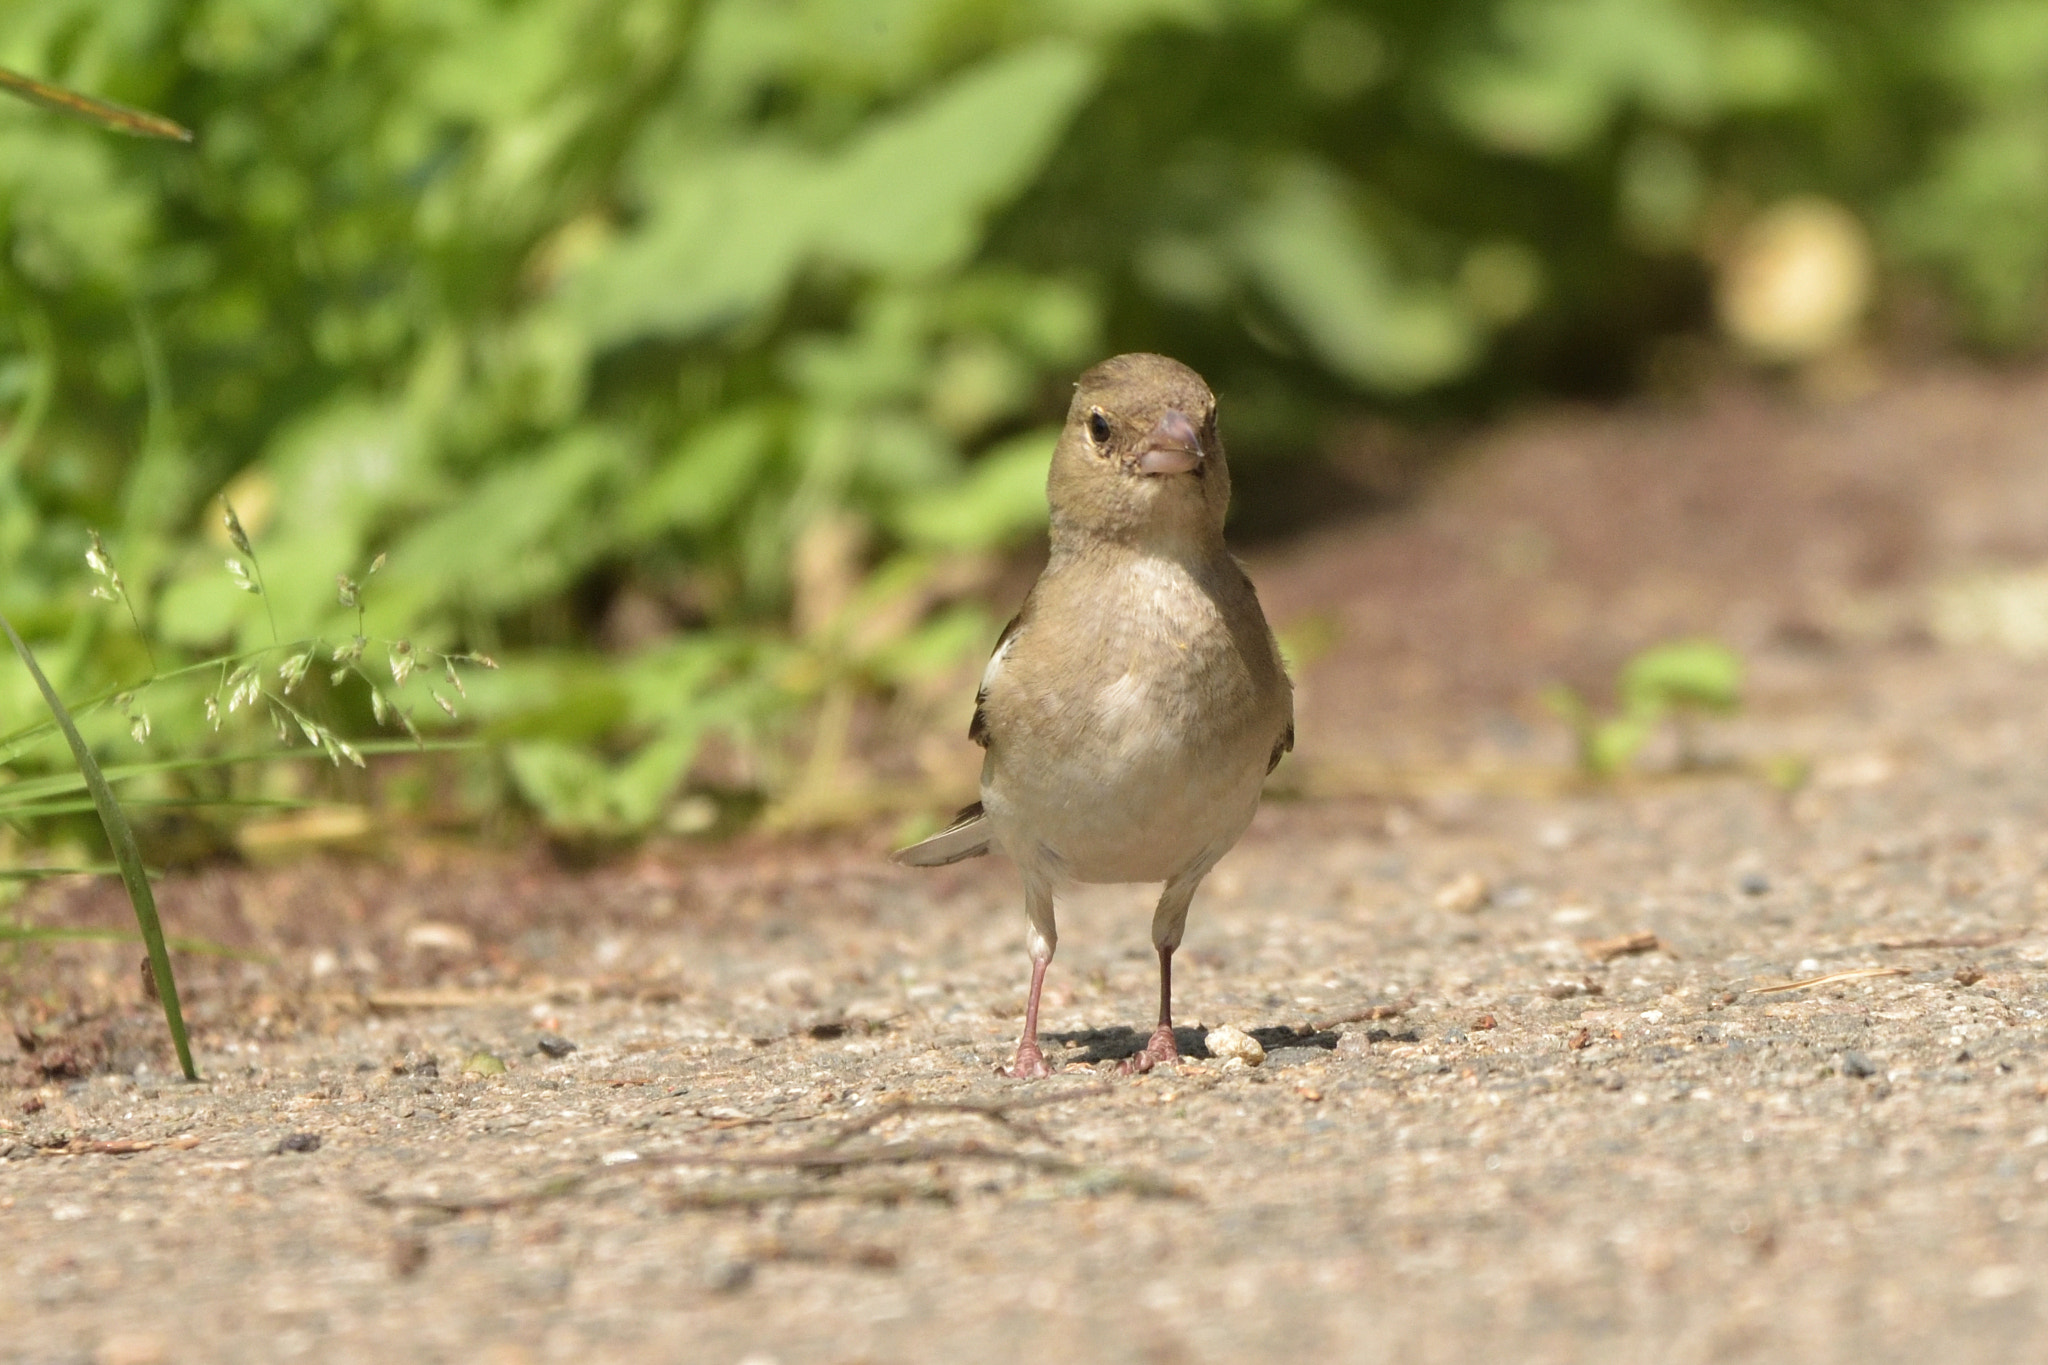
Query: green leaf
{"type": "Point", "coordinates": [1703, 675]}
{"type": "Point", "coordinates": [1311, 255]}
{"type": "Point", "coordinates": [907, 196]}
{"type": "Point", "coordinates": [704, 481]}
{"type": "Point", "coordinates": [1001, 501]}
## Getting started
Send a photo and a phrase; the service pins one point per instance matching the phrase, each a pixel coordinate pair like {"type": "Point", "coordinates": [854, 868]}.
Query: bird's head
{"type": "Point", "coordinates": [1139, 459]}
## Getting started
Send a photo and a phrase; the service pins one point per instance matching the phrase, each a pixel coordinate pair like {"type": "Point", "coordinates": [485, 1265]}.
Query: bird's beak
{"type": "Point", "coordinates": [1172, 447]}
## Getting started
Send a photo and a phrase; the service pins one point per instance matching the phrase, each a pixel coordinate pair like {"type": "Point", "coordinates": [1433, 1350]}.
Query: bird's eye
{"type": "Point", "coordinates": [1098, 428]}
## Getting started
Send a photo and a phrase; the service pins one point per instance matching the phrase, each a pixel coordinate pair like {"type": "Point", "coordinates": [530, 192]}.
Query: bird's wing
{"type": "Point", "coordinates": [966, 837]}
{"type": "Point", "coordinates": [977, 729]}
{"type": "Point", "coordinates": [1282, 745]}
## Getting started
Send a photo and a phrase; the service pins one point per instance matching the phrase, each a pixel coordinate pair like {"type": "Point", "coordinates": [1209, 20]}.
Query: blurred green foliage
{"type": "Point", "coordinates": [1675, 682]}
{"type": "Point", "coordinates": [689, 357]}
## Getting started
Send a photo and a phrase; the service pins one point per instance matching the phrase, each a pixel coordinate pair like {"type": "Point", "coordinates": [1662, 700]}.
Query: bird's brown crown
{"type": "Point", "coordinates": [1139, 459]}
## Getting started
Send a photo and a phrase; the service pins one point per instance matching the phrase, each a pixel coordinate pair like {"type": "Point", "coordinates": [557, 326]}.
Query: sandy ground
{"type": "Point", "coordinates": [739, 1104]}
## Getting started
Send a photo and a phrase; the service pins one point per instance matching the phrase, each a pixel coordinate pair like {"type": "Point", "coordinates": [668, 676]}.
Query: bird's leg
{"type": "Point", "coordinates": [1160, 1047]}
{"type": "Point", "coordinates": [1167, 923]}
{"type": "Point", "coordinates": [1029, 1064]}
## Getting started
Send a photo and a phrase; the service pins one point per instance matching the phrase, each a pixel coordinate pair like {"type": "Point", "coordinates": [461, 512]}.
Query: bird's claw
{"type": "Point", "coordinates": [1157, 1051]}
{"type": "Point", "coordinates": [1029, 1064]}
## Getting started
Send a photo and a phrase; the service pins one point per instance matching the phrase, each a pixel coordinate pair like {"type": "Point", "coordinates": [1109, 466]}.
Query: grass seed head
{"type": "Point", "coordinates": [236, 534]}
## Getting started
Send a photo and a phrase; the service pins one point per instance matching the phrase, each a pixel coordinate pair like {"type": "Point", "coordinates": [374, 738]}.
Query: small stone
{"type": "Point", "coordinates": [1858, 1065]}
{"type": "Point", "coordinates": [484, 1064]}
{"type": "Point", "coordinates": [1754, 884]}
{"type": "Point", "coordinates": [298, 1142]}
{"type": "Point", "coordinates": [1231, 1043]}
{"type": "Point", "coordinates": [1485, 1021]}
{"type": "Point", "coordinates": [1465, 894]}
{"type": "Point", "coordinates": [436, 936]}
{"type": "Point", "coordinates": [554, 1045]}
{"type": "Point", "coordinates": [132, 1348]}
{"type": "Point", "coordinates": [727, 1276]}
{"type": "Point", "coordinates": [408, 1254]}
{"type": "Point", "coordinates": [1968, 975]}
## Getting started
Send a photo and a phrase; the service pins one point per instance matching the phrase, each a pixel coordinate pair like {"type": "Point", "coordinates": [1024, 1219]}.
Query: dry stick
{"type": "Point", "coordinates": [996, 1111]}
{"type": "Point", "coordinates": [118, 1146]}
{"type": "Point", "coordinates": [1956, 941]}
{"type": "Point", "coordinates": [1393, 1011]}
{"type": "Point", "coordinates": [1853, 974]}
{"type": "Point", "coordinates": [863, 1255]}
{"type": "Point", "coordinates": [555, 1187]}
{"type": "Point", "coordinates": [1626, 945]}
{"type": "Point", "coordinates": [730, 1195]}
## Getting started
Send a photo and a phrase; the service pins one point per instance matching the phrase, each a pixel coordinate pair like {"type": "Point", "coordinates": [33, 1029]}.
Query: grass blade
{"type": "Point", "coordinates": [36, 933]}
{"type": "Point", "coordinates": [37, 810]}
{"type": "Point", "coordinates": [36, 874]}
{"type": "Point", "coordinates": [121, 838]}
{"type": "Point", "coordinates": [64, 784]}
{"type": "Point", "coordinates": [106, 113]}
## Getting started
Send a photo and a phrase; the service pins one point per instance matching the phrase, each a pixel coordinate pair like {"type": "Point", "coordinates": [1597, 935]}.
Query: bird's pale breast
{"type": "Point", "coordinates": [1133, 747]}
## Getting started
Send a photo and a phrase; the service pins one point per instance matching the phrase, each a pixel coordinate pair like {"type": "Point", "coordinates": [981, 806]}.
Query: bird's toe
{"type": "Point", "coordinates": [1029, 1064]}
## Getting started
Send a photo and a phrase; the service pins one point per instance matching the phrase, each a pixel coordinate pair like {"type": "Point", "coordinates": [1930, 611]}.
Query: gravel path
{"type": "Point", "coordinates": [741, 1107]}
{"type": "Point", "coordinates": [1542, 1153]}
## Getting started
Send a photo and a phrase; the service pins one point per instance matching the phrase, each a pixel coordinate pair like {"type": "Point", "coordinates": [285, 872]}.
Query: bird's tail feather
{"type": "Point", "coordinates": [966, 837]}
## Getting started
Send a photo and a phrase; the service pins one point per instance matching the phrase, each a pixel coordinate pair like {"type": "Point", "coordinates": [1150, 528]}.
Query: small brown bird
{"type": "Point", "coordinates": [1132, 709]}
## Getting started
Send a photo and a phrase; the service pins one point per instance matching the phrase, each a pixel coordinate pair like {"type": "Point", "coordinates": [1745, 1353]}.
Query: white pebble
{"type": "Point", "coordinates": [1465, 894]}
{"type": "Point", "coordinates": [1229, 1042]}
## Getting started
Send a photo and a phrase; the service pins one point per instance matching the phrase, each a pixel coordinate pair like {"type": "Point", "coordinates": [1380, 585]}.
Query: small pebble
{"type": "Point", "coordinates": [726, 1276]}
{"type": "Point", "coordinates": [1230, 1043]}
{"type": "Point", "coordinates": [298, 1142]}
{"type": "Point", "coordinates": [1465, 894]}
{"type": "Point", "coordinates": [408, 1254]}
{"type": "Point", "coordinates": [554, 1045]}
{"type": "Point", "coordinates": [132, 1348]}
{"type": "Point", "coordinates": [1754, 883]}
{"type": "Point", "coordinates": [1856, 1064]}
{"type": "Point", "coordinates": [1968, 975]}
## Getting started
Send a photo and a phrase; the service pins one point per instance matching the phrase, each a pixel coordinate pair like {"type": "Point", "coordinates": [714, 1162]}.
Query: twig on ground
{"type": "Point", "coordinates": [863, 1255]}
{"type": "Point", "coordinates": [1623, 945]}
{"type": "Point", "coordinates": [728, 1194]}
{"type": "Point", "coordinates": [1953, 941]}
{"type": "Point", "coordinates": [1393, 1011]}
{"type": "Point", "coordinates": [554, 1187]}
{"type": "Point", "coordinates": [440, 998]}
{"type": "Point", "coordinates": [118, 1146]}
{"type": "Point", "coordinates": [995, 1111]}
{"type": "Point", "coordinates": [1853, 974]}
{"type": "Point", "coordinates": [824, 1030]}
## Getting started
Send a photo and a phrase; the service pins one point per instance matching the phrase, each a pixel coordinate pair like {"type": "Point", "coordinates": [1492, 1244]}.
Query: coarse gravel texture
{"type": "Point", "coordinates": [740, 1104]}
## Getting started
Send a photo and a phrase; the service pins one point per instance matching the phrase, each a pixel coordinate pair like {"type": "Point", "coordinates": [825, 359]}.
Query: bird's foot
{"type": "Point", "coordinates": [1029, 1064]}
{"type": "Point", "coordinates": [1158, 1050]}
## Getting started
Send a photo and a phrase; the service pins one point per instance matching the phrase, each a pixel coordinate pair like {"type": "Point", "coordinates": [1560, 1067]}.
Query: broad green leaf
{"type": "Point", "coordinates": [1001, 500]}
{"type": "Point", "coordinates": [907, 196]}
{"type": "Point", "coordinates": [1306, 248]}
{"type": "Point", "coordinates": [700, 485]}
